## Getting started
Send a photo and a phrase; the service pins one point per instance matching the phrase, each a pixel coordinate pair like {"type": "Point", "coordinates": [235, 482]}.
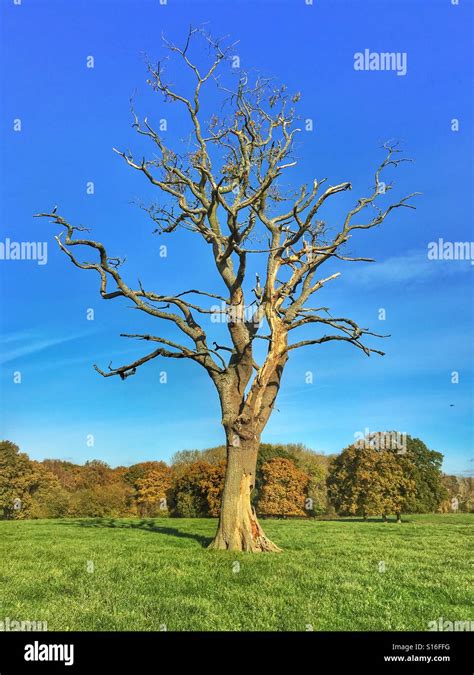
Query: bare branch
{"type": "Point", "coordinates": [226, 188]}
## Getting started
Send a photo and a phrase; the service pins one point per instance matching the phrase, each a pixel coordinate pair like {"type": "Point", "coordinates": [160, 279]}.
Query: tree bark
{"type": "Point", "coordinates": [239, 529]}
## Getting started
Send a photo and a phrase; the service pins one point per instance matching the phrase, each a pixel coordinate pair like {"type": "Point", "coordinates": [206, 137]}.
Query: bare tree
{"type": "Point", "coordinates": [227, 191]}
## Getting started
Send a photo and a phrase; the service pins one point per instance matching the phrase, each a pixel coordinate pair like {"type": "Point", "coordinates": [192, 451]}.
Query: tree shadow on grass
{"type": "Point", "coordinates": [143, 524]}
{"type": "Point", "coordinates": [389, 521]}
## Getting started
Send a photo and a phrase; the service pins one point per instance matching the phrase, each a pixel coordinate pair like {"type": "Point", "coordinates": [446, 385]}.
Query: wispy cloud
{"type": "Point", "coordinates": [413, 266]}
{"type": "Point", "coordinates": [88, 357]}
{"type": "Point", "coordinates": [18, 345]}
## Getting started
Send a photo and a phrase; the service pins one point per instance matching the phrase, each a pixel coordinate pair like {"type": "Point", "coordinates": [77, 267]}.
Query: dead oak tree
{"type": "Point", "coordinates": [226, 190]}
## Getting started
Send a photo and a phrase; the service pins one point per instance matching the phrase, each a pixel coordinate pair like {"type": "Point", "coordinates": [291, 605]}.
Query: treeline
{"type": "Point", "coordinates": [291, 481]}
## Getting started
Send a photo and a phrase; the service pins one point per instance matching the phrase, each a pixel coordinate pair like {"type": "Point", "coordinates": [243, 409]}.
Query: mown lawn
{"type": "Point", "coordinates": [143, 575]}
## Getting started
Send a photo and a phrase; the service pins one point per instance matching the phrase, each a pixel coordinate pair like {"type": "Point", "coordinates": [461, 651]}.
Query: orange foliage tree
{"type": "Point", "coordinates": [284, 489]}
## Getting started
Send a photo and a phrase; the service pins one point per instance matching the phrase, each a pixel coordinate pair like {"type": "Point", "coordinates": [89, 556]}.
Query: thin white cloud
{"type": "Point", "coordinates": [413, 266]}
{"type": "Point", "coordinates": [86, 358]}
{"type": "Point", "coordinates": [17, 345]}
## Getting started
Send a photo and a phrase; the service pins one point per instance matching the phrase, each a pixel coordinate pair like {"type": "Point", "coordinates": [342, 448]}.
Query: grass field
{"type": "Point", "coordinates": [146, 574]}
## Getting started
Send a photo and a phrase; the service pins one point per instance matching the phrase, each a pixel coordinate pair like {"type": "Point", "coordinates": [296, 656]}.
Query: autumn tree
{"type": "Point", "coordinates": [95, 473]}
{"type": "Point", "coordinates": [227, 185]}
{"type": "Point", "coordinates": [459, 494]}
{"type": "Point", "coordinates": [284, 489]}
{"type": "Point", "coordinates": [366, 481]}
{"type": "Point", "coordinates": [197, 489]}
{"type": "Point", "coordinates": [136, 472]}
{"type": "Point", "coordinates": [67, 473]}
{"type": "Point", "coordinates": [15, 468]}
{"type": "Point", "coordinates": [266, 452]}
{"type": "Point", "coordinates": [48, 499]}
{"type": "Point", "coordinates": [27, 488]}
{"type": "Point", "coordinates": [153, 492]}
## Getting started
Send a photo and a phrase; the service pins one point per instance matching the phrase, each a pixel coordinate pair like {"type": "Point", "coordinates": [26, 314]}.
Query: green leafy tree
{"type": "Point", "coordinates": [110, 500]}
{"type": "Point", "coordinates": [317, 467]}
{"type": "Point", "coordinates": [215, 455]}
{"type": "Point", "coordinates": [423, 466]}
{"type": "Point", "coordinates": [185, 457]}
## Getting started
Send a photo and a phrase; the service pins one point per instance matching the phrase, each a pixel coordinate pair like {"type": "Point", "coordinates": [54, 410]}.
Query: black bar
{"type": "Point", "coordinates": [316, 652]}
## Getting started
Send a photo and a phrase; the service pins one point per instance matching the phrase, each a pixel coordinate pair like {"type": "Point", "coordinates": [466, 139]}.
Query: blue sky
{"type": "Point", "coordinates": [71, 117]}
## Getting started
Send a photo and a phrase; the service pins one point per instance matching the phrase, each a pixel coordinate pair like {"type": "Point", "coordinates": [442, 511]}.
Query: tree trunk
{"type": "Point", "coordinates": [239, 529]}
{"type": "Point", "coordinates": [399, 517]}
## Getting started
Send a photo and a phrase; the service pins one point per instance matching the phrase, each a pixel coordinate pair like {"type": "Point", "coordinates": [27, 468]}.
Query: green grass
{"type": "Point", "coordinates": [155, 572]}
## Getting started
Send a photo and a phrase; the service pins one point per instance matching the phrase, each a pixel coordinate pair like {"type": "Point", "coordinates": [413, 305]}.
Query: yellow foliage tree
{"type": "Point", "coordinates": [153, 492]}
